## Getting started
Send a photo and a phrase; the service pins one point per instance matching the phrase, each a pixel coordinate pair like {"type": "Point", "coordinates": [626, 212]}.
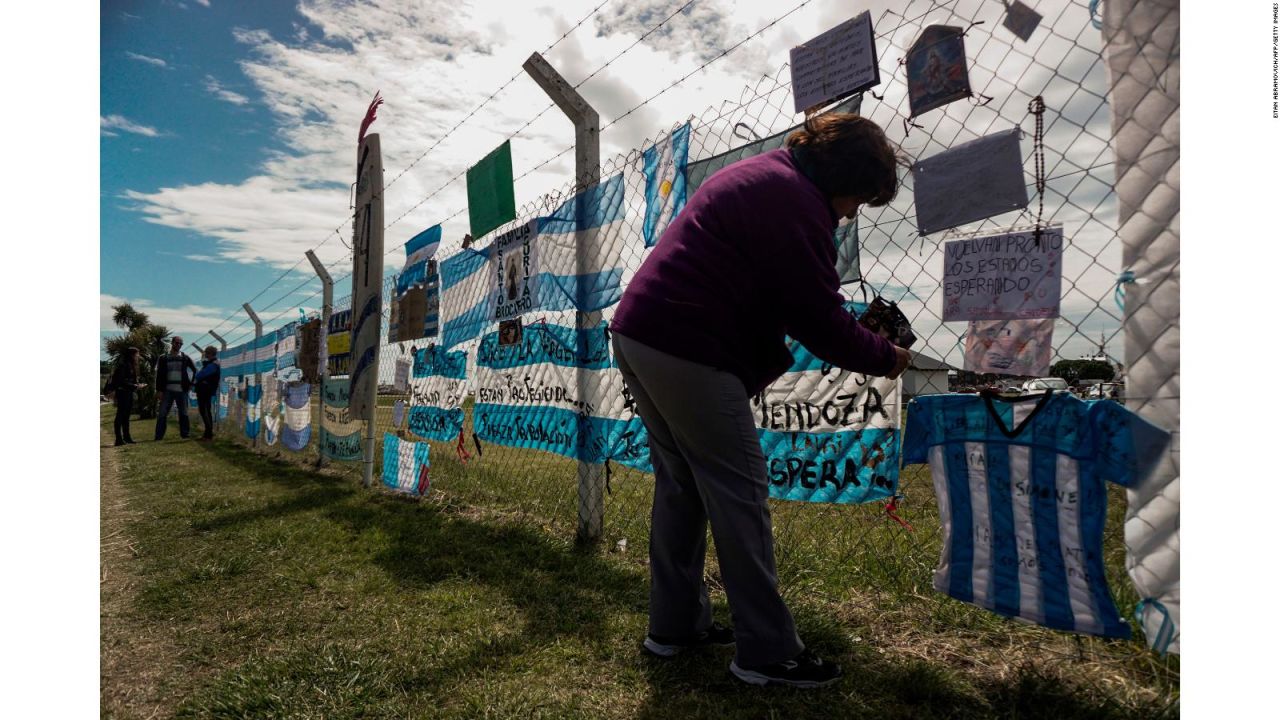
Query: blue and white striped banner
{"type": "Point", "coordinates": [339, 432]}
{"type": "Point", "coordinates": [406, 465]}
{"type": "Point", "coordinates": [525, 397]}
{"type": "Point", "coordinates": [418, 250]}
{"type": "Point", "coordinates": [253, 408]}
{"type": "Point", "coordinates": [438, 388]}
{"type": "Point", "coordinates": [545, 253]}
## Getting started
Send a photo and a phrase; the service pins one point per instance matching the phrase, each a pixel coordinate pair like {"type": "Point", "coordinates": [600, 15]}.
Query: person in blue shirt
{"type": "Point", "coordinates": [206, 387]}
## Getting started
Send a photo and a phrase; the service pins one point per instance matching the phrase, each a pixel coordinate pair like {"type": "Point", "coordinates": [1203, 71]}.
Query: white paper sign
{"type": "Point", "coordinates": [835, 64]}
{"type": "Point", "coordinates": [403, 365]}
{"type": "Point", "coordinates": [1006, 276]}
{"type": "Point", "coordinates": [513, 272]}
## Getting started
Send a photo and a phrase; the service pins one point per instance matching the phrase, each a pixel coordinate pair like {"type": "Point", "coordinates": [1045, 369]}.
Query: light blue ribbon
{"type": "Point", "coordinates": [1164, 636]}
{"type": "Point", "coordinates": [1125, 278]}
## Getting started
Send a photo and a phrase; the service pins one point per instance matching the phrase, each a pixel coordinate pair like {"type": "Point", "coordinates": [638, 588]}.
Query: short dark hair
{"type": "Point", "coordinates": [848, 155]}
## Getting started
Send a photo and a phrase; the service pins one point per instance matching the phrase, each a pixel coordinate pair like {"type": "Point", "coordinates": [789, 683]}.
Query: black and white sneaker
{"type": "Point", "coordinates": [715, 636]}
{"type": "Point", "coordinates": [805, 670]}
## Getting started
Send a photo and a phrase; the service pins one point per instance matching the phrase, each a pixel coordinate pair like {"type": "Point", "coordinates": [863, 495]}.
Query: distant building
{"type": "Point", "coordinates": [925, 376]}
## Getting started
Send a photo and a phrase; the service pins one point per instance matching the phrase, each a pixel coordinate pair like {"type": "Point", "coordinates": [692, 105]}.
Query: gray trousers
{"type": "Point", "coordinates": [708, 465]}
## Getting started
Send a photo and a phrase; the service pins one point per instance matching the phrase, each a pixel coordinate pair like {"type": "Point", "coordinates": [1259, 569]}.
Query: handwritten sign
{"type": "Point", "coordinates": [1008, 276]}
{"type": "Point", "coordinates": [835, 64]}
{"type": "Point", "coordinates": [403, 365]}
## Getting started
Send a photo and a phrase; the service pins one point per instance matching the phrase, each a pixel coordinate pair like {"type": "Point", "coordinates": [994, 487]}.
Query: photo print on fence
{"type": "Point", "coordinates": [513, 272]}
{"type": "Point", "coordinates": [1009, 347]}
{"type": "Point", "coordinates": [973, 181]}
{"type": "Point", "coordinates": [936, 70]}
{"type": "Point", "coordinates": [835, 64]}
{"type": "Point", "coordinates": [1009, 275]}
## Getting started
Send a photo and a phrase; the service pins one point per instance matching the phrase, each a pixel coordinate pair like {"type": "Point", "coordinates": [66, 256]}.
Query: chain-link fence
{"type": "Point", "coordinates": [857, 564]}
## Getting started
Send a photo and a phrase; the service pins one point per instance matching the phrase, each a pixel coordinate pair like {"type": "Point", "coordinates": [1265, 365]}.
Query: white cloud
{"type": "Point", "coordinates": [146, 59]}
{"type": "Point", "coordinates": [203, 2]}
{"type": "Point", "coordinates": [120, 122]}
{"type": "Point", "coordinates": [187, 320]}
{"type": "Point", "coordinates": [435, 62]}
{"type": "Point", "coordinates": [213, 86]}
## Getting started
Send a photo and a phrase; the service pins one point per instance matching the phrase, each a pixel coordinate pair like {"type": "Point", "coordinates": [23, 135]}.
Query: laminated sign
{"type": "Point", "coordinates": [973, 181]}
{"type": "Point", "coordinates": [835, 64]}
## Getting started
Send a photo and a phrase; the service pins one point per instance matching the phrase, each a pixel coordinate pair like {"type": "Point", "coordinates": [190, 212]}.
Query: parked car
{"type": "Point", "coordinates": [1108, 390]}
{"type": "Point", "coordinates": [1041, 384]}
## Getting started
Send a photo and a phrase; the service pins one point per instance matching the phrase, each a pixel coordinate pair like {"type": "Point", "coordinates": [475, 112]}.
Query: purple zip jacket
{"type": "Point", "coordinates": [749, 260]}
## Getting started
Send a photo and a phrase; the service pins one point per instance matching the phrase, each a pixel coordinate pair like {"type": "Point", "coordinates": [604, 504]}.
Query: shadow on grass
{"type": "Point", "coordinates": [566, 592]}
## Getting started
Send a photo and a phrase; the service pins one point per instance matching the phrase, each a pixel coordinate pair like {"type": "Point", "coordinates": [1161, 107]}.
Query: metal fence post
{"type": "Point", "coordinates": [221, 342]}
{"type": "Point", "coordinates": [257, 375]}
{"type": "Point", "coordinates": [586, 125]}
{"type": "Point", "coordinates": [326, 309]}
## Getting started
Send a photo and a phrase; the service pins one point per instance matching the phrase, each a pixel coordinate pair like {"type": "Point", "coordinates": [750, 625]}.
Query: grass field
{"type": "Point", "coordinates": [241, 585]}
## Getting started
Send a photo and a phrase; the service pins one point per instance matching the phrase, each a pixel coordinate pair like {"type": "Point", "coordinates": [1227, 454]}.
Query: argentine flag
{"type": "Point", "coordinates": [664, 182]}
{"type": "Point", "coordinates": [420, 248]}
{"type": "Point", "coordinates": [406, 465]}
{"type": "Point", "coordinates": [526, 397]}
{"type": "Point", "coordinates": [1022, 497]}
{"type": "Point", "coordinates": [253, 409]}
{"type": "Point", "coordinates": [593, 220]}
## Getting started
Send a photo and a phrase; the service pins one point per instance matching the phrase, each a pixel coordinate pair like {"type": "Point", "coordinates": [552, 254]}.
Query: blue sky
{"type": "Point", "coordinates": [179, 112]}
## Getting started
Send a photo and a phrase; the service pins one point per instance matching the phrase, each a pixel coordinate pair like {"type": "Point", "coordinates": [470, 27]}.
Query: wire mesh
{"type": "Point", "coordinates": [855, 563]}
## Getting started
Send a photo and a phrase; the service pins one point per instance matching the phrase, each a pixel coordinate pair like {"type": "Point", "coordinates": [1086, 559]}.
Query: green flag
{"type": "Point", "coordinates": [491, 194]}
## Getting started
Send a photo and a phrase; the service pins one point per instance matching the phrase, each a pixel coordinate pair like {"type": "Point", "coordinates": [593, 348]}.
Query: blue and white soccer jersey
{"type": "Point", "coordinates": [1022, 497]}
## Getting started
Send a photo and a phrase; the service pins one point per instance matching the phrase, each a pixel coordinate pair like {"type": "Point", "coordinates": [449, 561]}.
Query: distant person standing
{"type": "Point", "coordinates": [124, 381]}
{"type": "Point", "coordinates": [172, 385]}
{"type": "Point", "coordinates": [206, 387]}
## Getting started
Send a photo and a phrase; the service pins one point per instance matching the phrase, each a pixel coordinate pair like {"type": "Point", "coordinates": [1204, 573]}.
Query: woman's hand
{"type": "Point", "coordinates": [904, 359]}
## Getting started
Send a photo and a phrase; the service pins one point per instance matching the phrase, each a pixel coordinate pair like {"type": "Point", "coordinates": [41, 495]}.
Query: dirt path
{"type": "Point", "coordinates": [134, 654]}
